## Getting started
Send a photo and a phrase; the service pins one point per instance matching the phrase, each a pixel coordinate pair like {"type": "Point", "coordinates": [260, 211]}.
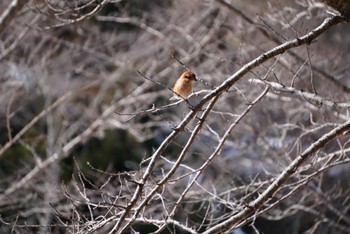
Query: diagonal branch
{"type": "Point", "coordinates": [306, 39]}
{"type": "Point", "coordinates": [310, 96]}
{"type": "Point", "coordinates": [10, 13]}
{"type": "Point", "coordinates": [275, 38]}
{"type": "Point", "coordinates": [34, 121]}
{"type": "Point", "coordinates": [270, 191]}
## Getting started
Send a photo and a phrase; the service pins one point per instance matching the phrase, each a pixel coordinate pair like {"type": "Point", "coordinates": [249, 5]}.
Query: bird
{"type": "Point", "coordinates": [343, 6]}
{"type": "Point", "coordinates": [183, 86]}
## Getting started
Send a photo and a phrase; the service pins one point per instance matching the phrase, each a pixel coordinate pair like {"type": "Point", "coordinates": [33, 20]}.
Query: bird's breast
{"type": "Point", "coordinates": [183, 88]}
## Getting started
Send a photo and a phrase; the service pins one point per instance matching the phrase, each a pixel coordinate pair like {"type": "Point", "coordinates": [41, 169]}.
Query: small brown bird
{"type": "Point", "coordinates": [183, 86]}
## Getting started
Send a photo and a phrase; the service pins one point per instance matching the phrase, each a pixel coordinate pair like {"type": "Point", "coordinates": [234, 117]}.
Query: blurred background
{"type": "Point", "coordinates": [74, 111]}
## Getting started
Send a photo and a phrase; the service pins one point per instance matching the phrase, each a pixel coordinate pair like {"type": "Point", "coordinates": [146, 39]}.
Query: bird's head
{"type": "Point", "coordinates": [189, 76]}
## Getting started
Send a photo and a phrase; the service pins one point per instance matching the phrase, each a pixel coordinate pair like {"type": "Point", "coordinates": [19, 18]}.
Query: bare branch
{"type": "Point", "coordinates": [10, 13]}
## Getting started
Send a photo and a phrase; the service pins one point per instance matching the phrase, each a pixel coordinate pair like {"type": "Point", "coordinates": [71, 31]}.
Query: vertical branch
{"type": "Point", "coordinates": [170, 173]}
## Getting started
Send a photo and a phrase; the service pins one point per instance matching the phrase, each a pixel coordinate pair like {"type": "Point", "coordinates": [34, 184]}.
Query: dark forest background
{"type": "Point", "coordinates": [91, 143]}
